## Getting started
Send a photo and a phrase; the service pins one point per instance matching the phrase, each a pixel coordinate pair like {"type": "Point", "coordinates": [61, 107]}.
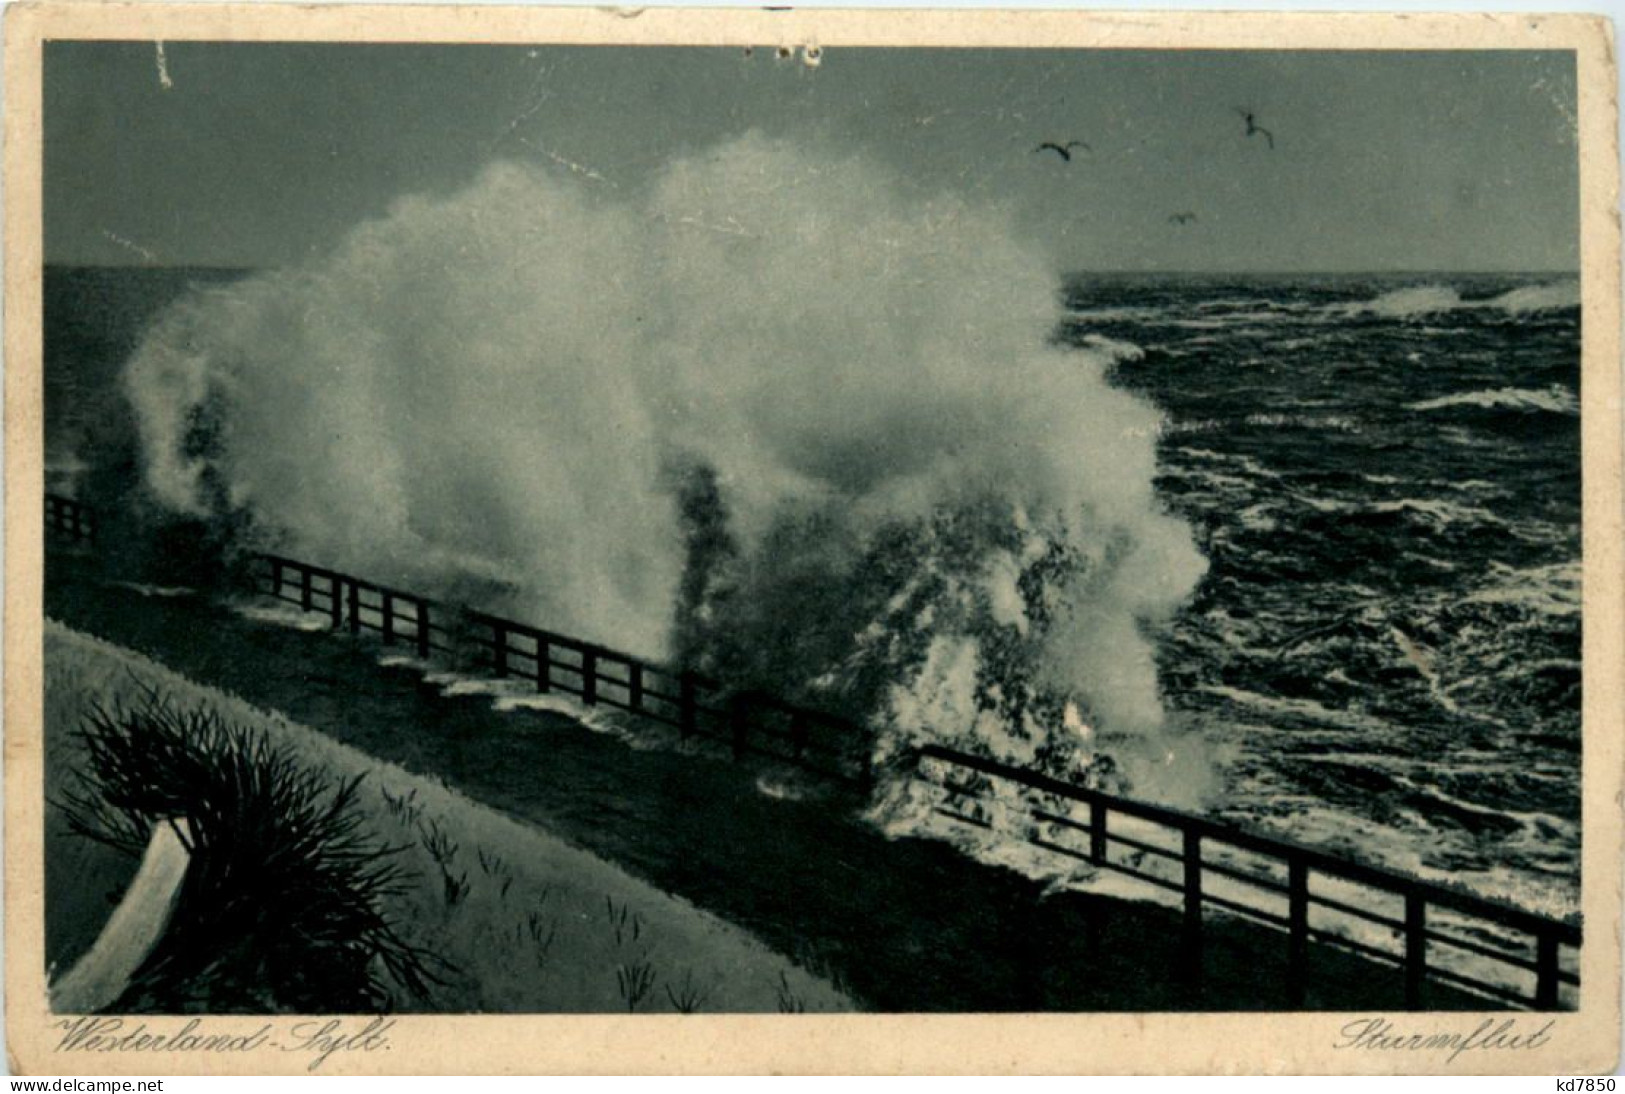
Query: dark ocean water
{"type": "Point", "coordinates": [1385, 476]}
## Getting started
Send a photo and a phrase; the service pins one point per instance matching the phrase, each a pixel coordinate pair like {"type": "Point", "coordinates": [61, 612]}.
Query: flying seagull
{"type": "Point", "coordinates": [1253, 126]}
{"type": "Point", "coordinates": [1063, 150]}
{"type": "Point", "coordinates": [1182, 218]}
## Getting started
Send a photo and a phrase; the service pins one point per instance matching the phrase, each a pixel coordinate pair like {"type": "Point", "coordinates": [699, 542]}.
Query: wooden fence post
{"type": "Point", "coordinates": [544, 665]}
{"type": "Point", "coordinates": [389, 618]}
{"type": "Point", "coordinates": [355, 607]}
{"type": "Point", "coordinates": [1416, 949]}
{"type": "Point", "coordinates": [423, 629]}
{"type": "Point", "coordinates": [589, 677]}
{"type": "Point", "coordinates": [1297, 953]}
{"type": "Point", "coordinates": [1545, 971]}
{"type": "Point", "coordinates": [304, 588]}
{"type": "Point", "coordinates": [634, 686]}
{"type": "Point", "coordinates": [1097, 832]}
{"type": "Point", "coordinates": [687, 713]}
{"type": "Point", "coordinates": [1191, 949]}
{"type": "Point", "coordinates": [276, 577]}
{"type": "Point", "coordinates": [335, 603]}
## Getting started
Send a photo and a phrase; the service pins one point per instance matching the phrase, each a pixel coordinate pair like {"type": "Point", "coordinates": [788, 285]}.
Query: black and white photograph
{"type": "Point", "coordinates": [544, 527]}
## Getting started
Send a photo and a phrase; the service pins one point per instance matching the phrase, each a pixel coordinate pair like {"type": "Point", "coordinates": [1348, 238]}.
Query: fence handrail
{"type": "Point", "coordinates": [735, 721]}
{"type": "Point", "coordinates": [348, 579]}
{"type": "Point", "coordinates": [1546, 933]}
{"type": "Point", "coordinates": [71, 516]}
{"type": "Point", "coordinates": [581, 645]}
{"type": "Point", "coordinates": [1510, 915]}
{"type": "Point", "coordinates": [1567, 931]}
{"type": "Point", "coordinates": [79, 520]}
{"type": "Point", "coordinates": [753, 697]}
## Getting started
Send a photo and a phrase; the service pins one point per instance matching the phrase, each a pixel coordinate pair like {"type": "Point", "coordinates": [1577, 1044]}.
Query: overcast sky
{"type": "Point", "coordinates": [259, 155]}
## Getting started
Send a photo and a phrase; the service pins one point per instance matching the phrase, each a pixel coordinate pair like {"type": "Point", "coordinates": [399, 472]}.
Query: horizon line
{"type": "Point", "coordinates": [1168, 272]}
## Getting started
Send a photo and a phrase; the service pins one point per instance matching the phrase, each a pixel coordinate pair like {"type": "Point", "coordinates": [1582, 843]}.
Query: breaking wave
{"type": "Point", "coordinates": [1422, 301]}
{"type": "Point", "coordinates": [770, 416]}
{"type": "Point", "coordinates": [1408, 303]}
{"type": "Point", "coordinates": [1557, 296]}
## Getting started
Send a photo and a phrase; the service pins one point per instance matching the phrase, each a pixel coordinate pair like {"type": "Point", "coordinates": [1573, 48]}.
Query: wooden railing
{"type": "Point", "coordinates": [1431, 932]}
{"type": "Point", "coordinates": [749, 722]}
{"type": "Point", "coordinates": [1428, 932]}
{"type": "Point", "coordinates": [70, 518]}
{"type": "Point", "coordinates": [357, 605]}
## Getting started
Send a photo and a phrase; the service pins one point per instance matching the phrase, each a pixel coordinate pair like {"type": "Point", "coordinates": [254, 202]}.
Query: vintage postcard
{"type": "Point", "coordinates": [813, 541]}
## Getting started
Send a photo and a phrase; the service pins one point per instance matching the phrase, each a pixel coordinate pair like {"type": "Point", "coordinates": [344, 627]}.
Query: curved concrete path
{"type": "Point", "coordinates": [99, 977]}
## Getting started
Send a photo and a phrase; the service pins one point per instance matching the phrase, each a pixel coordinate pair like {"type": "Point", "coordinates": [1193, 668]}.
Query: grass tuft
{"type": "Point", "coordinates": [789, 1001]}
{"type": "Point", "coordinates": [687, 997]}
{"type": "Point", "coordinates": [493, 866]}
{"type": "Point", "coordinates": [627, 924]}
{"type": "Point", "coordinates": [404, 807]}
{"type": "Point", "coordinates": [542, 932]}
{"type": "Point", "coordinates": [635, 979]}
{"type": "Point", "coordinates": [437, 843]}
{"type": "Point", "coordinates": [456, 886]}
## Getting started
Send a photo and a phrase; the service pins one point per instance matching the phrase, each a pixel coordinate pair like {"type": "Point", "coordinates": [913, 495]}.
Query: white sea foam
{"type": "Point", "coordinates": [1557, 399]}
{"type": "Point", "coordinates": [1533, 298]}
{"type": "Point", "coordinates": [1116, 315]}
{"type": "Point", "coordinates": [511, 387]}
{"type": "Point", "coordinates": [1235, 324]}
{"type": "Point", "coordinates": [1423, 301]}
{"type": "Point", "coordinates": [1241, 459]}
{"type": "Point", "coordinates": [1112, 349]}
{"type": "Point", "coordinates": [1552, 590]}
{"type": "Point", "coordinates": [510, 694]}
{"type": "Point", "coordinates": [161, 591]}
{"type": "Point", "coordinates": [1436, 511]}
{"type": "Point", "coordinates": [1411, 302]}
{"type": "Point", "coordinates": [1259, 517]}
{"type": "Point", "coordinates": [280, 614]}
{"type": "Point", "coordinates": [1297, 708]}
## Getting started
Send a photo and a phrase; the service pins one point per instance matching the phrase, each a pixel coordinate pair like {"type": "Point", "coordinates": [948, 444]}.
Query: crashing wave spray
{"type": "Point", "coordinates": [768, 414]}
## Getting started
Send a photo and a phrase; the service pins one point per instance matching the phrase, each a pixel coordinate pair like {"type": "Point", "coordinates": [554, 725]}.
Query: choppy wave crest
{"type": "Point", "coordinates": [1413, 302]}
{"type": "Point", "coordinates": [1423, 301]}
{"type": "Point", "coordinates": [1556, 296]}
